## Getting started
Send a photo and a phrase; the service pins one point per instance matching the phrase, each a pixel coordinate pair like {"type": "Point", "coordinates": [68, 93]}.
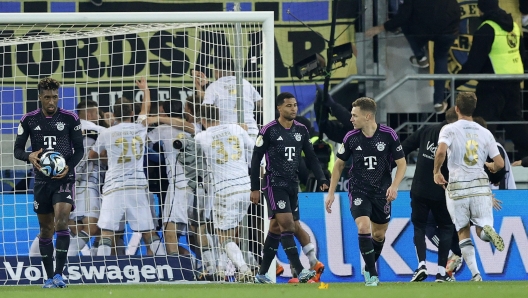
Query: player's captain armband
{"type": "Point", "coordinates": [260, 141]}
{"type": "Point", "coordinates": [20, 129]}
{"type": "Point", "coordinates": [341, 149]}
{"type": "Point", "coordinates": [141, 118]}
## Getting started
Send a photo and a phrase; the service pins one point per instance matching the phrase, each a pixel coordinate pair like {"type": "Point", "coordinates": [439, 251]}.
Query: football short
{"type": "Point", "coordinates": [377, 209]}
{"type": "Point", "coordinates": [46, 195]}
{"type": "Point", "coordinates": [200, 210]}
{"type": "Point", "coordinates": [477, 210]}
{"type": "Point", "coordinates": [282, 200]}
{"type": "Point", "coordinates": [176, 205]}
{"type": "Point", "coordinates": [87, 200]}
{"type": "Point", "coordinates": [229, 211]}
{"type": "Point", "coordinates": [132, 204]}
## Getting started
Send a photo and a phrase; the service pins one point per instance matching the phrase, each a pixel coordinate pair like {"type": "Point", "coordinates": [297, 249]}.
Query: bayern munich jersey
{"type": "Point", "coordinates": [372, 158]}
{"type": "Point", "coordinates": [125, 147]}
{"type": "Point", "coordinates": [469, 145]}
{"type": "Point", "coordinates": [225, 148]}
{"type": "Point", "coordinates": [166, 134]}
{"type": "Point", "coordinates": [60, 132]}
{"type": "Point", "coordinates": [223, 94]}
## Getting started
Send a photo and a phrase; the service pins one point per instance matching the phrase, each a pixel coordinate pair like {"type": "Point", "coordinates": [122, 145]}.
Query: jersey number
{"type": "Point", "coordinates": [471, 156]}
{"type": "Point", "coordinates": [224, 155]}
{"type": "Point", "coordinates": [137, 142]}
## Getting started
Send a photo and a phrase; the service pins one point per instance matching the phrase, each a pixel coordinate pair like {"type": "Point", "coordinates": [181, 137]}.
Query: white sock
{"type": "Point", "coordinates": [484, 237]}
{"type": "Point", "coordinates": [441, 270]}
{"type": "Point", "coordinates": [208, 261]}
{"type": "Point", "coordinates": [468, 251]}
{"type": "Point", "coordinates": [422, 263]}
{"type": "Point", "coordinates": [34, 249]}
{"type": "Point", "coordinates": [77, 243]}
{"type": "Point", "coordinates": [104, 250]}
{"type": "Point", "coordinates": [158, 248]}
{"type": "Point", "coordinates": [235, 255]}
{"type": "Point", "coordinates": [309, 251]}
{"type": "Point", "coordinates": [93, 250]}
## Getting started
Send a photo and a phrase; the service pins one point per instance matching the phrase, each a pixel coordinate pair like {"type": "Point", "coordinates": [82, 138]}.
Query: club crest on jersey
{"type": "Point", "coordinates": [259, 141]}
{"type": "Point", "coordinates": [281, 204]}
{"type": "Point", "coordinates": [380, 146]}
{"type": "Point", "coordinates": [298, 136]}
{"type": "Point", "coordinates": [60, 126]}
{"type": "Point", "coordinates": [35, 205]}
{"type": "Point", "coordinates": [20, 129]}
{"type": "Point", "coordinates": [341, 149]}
{"type": "Point", "coordinates": [358, 201]}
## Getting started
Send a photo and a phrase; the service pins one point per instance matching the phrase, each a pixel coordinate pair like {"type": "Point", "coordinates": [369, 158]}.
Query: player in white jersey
{"type": "Point", "coordinates": [223, 94]}
{"type": "Point", "coordinates": [179, 195]}
{"type": "Point", "coordinates": [88, 197]}
{"type": "Point", "coordinates": [469, 198]}
{"type": "Point", "coordinates": [224, 146]}
{"type": "Point", "coordinates": [125, 188]}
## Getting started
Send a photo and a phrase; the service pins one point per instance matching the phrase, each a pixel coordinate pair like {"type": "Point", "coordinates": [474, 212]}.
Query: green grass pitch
{"type": "Point", "coordinates": [230, 290]}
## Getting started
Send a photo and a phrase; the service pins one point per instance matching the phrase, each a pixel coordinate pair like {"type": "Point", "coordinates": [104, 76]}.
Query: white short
{"type": "Point", "coordinates": [229, 211]}
{"type": "Point", "coordinates": [132, 203]}
{"type": "Point", "coordinates": [176, 204]}
{"type": "Point", "coordinates": [478, 210]}
{"type": "Point", "coordinates": [87, 201]}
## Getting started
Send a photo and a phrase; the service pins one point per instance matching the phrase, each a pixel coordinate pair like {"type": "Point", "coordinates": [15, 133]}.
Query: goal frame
{"type": "Point", "coordinates": [266, 18]}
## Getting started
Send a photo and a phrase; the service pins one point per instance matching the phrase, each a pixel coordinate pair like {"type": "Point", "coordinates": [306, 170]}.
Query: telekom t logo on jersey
{"type": "Point", "coordinates": [370, 162]}
{"type": "Point", "coordinates": [50, 141]}
{"type": "Point", "coordinates": [289, 152]}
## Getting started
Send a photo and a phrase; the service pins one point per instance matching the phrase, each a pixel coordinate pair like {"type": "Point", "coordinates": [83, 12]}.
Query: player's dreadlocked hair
{"type": "Point", "coordinates": [48, 84]}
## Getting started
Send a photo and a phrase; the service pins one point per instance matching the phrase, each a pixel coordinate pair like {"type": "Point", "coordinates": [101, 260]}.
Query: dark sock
{"type": "Point", "coordinates": [46, 252]}
{"type": "Point", "coordinates": [419, 243]}
{"type": "Point", "coordinates": [445, 238]}
{"type": "Point", "coordinates": [378, 247]}
{"type": "Point", "coordinates": [367, 251]}
{"type": "Point", "coordinates": [271, 244]}
{"type": "Point", "coordinates": [290, 248]}
{"type": "Point", "coordinates": [455, 248]}
{"type": "Point", "coordinates": [63, 242]}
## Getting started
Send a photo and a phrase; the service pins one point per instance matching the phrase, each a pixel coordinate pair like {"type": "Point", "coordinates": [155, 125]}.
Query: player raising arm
{"type": "Point", "coordinates": [282, 141]}
{"type": "Point", "coordinates": [52, 129]}
{"type": "Point", "coordinates": [372, 148]}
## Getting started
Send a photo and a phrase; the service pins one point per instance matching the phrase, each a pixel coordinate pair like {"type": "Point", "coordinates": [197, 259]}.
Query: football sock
{"type": "Point", "coordinates": [34, 250]}
{"type": "Point", "coordinates": [46, 252]}
{"type": "Point", "coordinates": [120, 244]}
{"type": "Point", "coordinates": [309, 251]}
{"type": "Point", "coordinates": [208, 260]}
{"type": "Point", "coordinates": [441, 270]}
{"type": "Point", "coordinates": [290, 248]}
{"type": "Point", "coordinates": [235, 255]}
{"type": "Point", "coordinates": [271, 244]}
{"type": "Point", "coordinates": [105, 248]}
{"type": "Point", "coordinates": [445, 236]}
{"type": "Point", "coordinates": [77, 243]}
{"type": "Point", "coordinates": [378, 247]}
{"type": "Point", "coordinates": [468, 251]}
{"type": "Point", "coordinates": [367, 251]}
{"type": "Point", "coordinates": [61, 250]}
{"type": "Point", "coordinates": [455, 247]}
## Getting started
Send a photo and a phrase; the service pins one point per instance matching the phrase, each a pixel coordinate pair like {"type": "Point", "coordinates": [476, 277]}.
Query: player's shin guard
{"type": "Point", "coordinates": [367, 251]}
{"type": "Point", "coordinates": [77, 243]}
{"type": "Point", "coordinates": [468, 251]}
{"type": "Point", "coordinates": [105, 247]}
{"type": "Point", "coordinates": [309, 251]}
{"type": "Point", "coordinates": [46, 252]}
{"type": "Point", "coordinates": [290, 248]}
{"type": "Point", "coordinates": [378, 247]}
{"type": "Point", "coordinates": [61, 254]}
{"type": "Point", "coordinates": [271, 244]}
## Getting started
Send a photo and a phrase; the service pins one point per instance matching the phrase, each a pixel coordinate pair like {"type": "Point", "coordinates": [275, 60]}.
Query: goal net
{"type": "Point", "coordinates": [158, 196]}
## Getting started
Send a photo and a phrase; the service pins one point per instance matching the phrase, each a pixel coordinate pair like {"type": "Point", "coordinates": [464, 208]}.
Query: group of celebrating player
{"type": "Point", "coordinates": [207, 158]}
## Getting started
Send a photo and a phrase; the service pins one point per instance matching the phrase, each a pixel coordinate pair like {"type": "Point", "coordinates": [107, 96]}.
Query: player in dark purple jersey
{"type": "Point", "coordinates": [52, 129]}
{"type": "Point", "coordinates": [372, 148]}
{"type": "Point", "coordinates": [281, 142]}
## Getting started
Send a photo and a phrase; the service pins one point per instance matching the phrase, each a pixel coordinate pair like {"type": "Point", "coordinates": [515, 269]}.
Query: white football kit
{"type": "Point", "coordinates": [179, 195]}
{"type": "Point", "coordinates": [125, 187]}
{"type": "Point", "coordinates": [468, 193]}
{"type": "Point", "coordinates": [225, 148]}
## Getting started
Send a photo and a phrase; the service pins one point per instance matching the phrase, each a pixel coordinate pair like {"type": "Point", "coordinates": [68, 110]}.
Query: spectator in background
{"type": "Point", "coordinates": [335, 130]}
{"type": "Point", "coordinates": [523, 8]}
{"type": "Point", "coordinates": [423, 21]}
{"type": "Point", "coordinates": [498, 48]}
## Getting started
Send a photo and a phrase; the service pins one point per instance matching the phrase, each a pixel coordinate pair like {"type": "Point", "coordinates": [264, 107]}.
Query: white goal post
{"type": "Point", "coordinates": [98, 57]}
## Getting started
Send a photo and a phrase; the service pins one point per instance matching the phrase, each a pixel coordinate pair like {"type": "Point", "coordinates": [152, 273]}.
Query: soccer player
{"type": "Point", "coordinates": [467, 144]}
{"type": "Point", "coordinates": [178, 194]}
{"type": "Point", "coordinates": [282, 141]}
{"type": "Point", "coordinates": [372, 148]}
{"type": "Point", "coordinates": [87, 181]}
{"type": "Point", "coordinates": [125, 188]}
{"type": "Point", "coordinates": [223, 146]}
{"type": "Point", "coordinates": [52, 129]}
